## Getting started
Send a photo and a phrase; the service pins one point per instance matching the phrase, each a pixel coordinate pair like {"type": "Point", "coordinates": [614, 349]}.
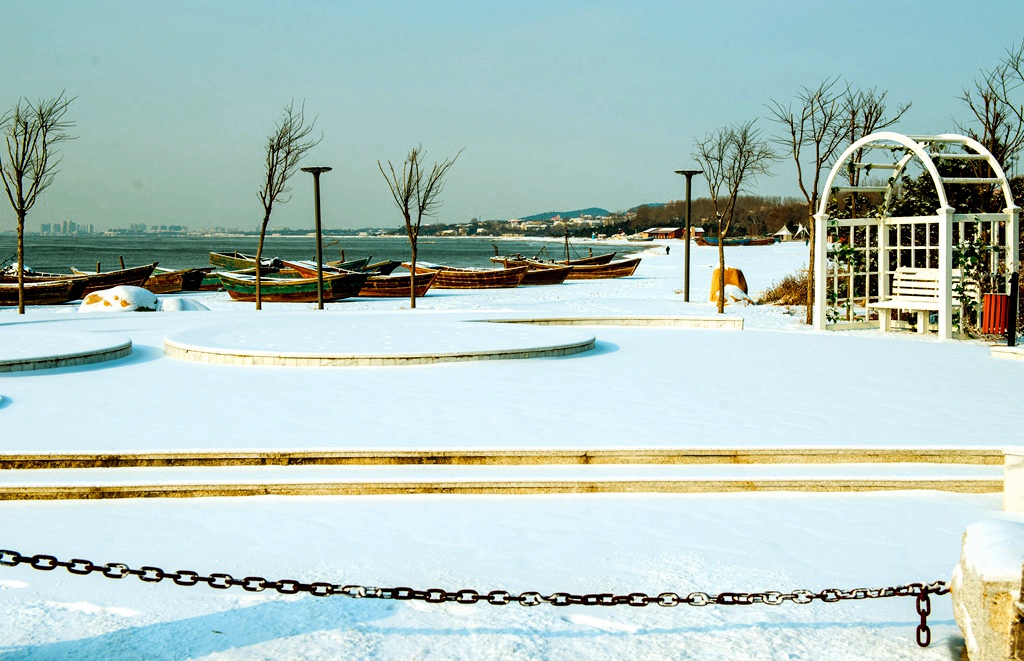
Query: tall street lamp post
{"type": "Point", "coordinates": [686, 235]}
{"type": "Point", "coordinates": [316, 172]}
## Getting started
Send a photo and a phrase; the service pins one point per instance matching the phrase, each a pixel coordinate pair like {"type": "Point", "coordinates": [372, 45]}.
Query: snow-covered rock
{"type": "Point", "coordinates": [985, 585]}
{"type": "Point", "coordinates": [179, 304]}
{"type": "Point", "coordinates": [733, 278]}
{"type": "Point", "coordinates": [120, 299]}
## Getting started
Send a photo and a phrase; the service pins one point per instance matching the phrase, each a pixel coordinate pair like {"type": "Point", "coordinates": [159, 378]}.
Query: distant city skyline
{"type": "Point", "coordinates": [558, 106]}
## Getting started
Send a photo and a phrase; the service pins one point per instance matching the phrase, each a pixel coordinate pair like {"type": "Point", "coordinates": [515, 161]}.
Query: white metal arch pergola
{"type": "Point", "coordinates": [874, 281]}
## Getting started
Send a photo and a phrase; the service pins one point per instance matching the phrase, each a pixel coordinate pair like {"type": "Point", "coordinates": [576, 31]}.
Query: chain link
{"type": "Point", "coordinates": [117, 570]}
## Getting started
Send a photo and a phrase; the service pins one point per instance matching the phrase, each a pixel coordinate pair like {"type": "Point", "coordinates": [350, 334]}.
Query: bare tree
{"type": "Point", "coordinates": [32, 132]}
{"type": "Point", "coordinates": [732, 158]}
{"type": "Point", "coordinates": [416, 192]}
{"type": "Point", "coordinates": [286, 146]}
{"type": "Point", "coordinates": [997, 106]}
{"type": "Point", "coordinates": [812, 135]}
{"type": "Point", "coordinates": [866, 112]}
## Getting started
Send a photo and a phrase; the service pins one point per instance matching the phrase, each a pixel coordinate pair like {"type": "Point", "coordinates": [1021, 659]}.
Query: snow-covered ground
{"type": "Point", "coordinates": [773, 384]}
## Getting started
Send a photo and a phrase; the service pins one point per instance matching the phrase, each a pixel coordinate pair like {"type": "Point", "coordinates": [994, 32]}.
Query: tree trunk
{"type": "Point", "coordinates": [412, 276]}
{"type": "Point", "coordinates": [21, 262]}
{"type": "Point", "coordinates": [721, 273]}
{"type": "Point", "coordinates": [259, 257]}
{"type": "Point", "coordinates": [810, 273]}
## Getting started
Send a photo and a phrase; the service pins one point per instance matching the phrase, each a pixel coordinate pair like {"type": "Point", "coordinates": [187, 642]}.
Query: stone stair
{"type": "Point", "coordinates": [506, 472]}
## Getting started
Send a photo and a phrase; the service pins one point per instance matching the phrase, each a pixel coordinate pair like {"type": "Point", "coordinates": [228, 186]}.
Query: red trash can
{"type": "Point", "coordinates": [993, 313]}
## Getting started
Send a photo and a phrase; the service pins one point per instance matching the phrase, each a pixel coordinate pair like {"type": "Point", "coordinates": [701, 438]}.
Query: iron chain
{"type": "Point", "coordinates": [117, 570]}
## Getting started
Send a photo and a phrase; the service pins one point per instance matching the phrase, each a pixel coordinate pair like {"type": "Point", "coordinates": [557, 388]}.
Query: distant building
{"type": "Point", "coordinates": [663, 233]}
{"type": "Point", "coordinates": [784, 234]}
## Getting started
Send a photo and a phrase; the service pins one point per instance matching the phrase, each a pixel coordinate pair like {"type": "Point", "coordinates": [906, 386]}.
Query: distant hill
{"type": "Point", "coordinates": [649, 204]}
{"type": "Point", "coordinates": [548, 215]}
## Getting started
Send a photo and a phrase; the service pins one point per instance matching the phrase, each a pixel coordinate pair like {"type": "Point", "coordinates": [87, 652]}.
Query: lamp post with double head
{"type": "Point", "coordinates": [686, 234]}
{"type": "Point", "coordinates": [316, 172]}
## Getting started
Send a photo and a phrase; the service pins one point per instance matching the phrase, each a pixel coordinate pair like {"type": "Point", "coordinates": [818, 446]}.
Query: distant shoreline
{"type": "Point", "coordinates": [326, 237]}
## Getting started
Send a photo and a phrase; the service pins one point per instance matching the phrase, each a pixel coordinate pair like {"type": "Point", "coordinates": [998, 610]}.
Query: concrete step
{"type": "Point", "coordinates": [88, 483]}
{"type": "Point", "coordinates": [507, 457]}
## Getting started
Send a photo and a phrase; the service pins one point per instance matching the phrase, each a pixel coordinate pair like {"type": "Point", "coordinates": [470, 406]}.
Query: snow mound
{"type": "Point", "coordinates": [734, 294]}
{"type": "Point", "coordinates": [179, 304]}
{"type": "Point", "coordinates": [120, 299]}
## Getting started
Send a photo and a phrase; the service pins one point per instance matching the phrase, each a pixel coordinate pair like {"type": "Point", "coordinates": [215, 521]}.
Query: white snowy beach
{"type": "Point", "coordinates": [652, 385]}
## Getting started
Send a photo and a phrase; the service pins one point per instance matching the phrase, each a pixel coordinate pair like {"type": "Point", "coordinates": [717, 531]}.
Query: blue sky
{"type": "Point", "coordinates": [558, 105]}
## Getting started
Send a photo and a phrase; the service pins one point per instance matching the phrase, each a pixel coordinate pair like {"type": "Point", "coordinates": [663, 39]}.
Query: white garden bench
{"type": "Point", "coordinates": [915, 290]}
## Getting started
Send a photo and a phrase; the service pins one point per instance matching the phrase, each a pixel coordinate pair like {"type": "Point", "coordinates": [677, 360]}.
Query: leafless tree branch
{"type": "Point", "coordinates": [416, 193]}
{"type": "Point", "coordinates": [997, 107]}
{"type": "Point", "coordinates": [32, 133]}
{"type": "Point", "coordinates": [732, 158]}
{"type": "Point", "coordinates": [286, 146]}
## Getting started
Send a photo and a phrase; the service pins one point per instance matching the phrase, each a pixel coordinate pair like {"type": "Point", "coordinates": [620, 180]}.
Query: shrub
{"type": "Point", "coordinates": [791, 290]}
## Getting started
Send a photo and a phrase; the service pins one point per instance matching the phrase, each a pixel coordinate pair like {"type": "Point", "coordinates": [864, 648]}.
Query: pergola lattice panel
{"type": "Point", "coordinates": [867, 249]}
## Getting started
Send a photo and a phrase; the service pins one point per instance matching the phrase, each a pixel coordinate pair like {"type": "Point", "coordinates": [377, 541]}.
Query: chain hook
{"type": "Point", "coordinates": [924, 609]}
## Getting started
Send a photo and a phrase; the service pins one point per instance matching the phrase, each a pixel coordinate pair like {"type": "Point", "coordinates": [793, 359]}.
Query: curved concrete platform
{"type": "Point", "coordinates": [23, 350]}
{"type": "Point", "coordinates": [332, 341]}
{"type": "Point", "coordinates": [714, 322]}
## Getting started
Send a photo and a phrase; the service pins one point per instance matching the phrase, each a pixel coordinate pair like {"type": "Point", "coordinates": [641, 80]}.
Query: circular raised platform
{"type": "Point", "coordinates": [22, 350]}
{"type": "Point", "coordinates": [330, 341]}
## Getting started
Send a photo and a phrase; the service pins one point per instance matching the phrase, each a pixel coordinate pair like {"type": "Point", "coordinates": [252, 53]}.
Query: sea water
{"type": "Point", "coordinates": [56, 254]}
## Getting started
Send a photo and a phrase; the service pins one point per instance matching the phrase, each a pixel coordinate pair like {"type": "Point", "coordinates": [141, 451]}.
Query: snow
{"type": "Point", "coordinates": [734, 294]}
{"type": "Point", "coordinates": [529, 473]}
{"type": "Point", "coordinates": [179, 304]}
{"type": "Point", "coordinates": [123, 298]}
{"type": "Point", "coordinates": [995, 548]}
{"type": "Point", "coordinates": [774, 384]}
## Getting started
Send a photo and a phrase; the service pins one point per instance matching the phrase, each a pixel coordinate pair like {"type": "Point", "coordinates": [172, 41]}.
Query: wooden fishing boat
{"type": "Point", "coordinates": [549, 274]}
{"type": "Point", "coordinates": [735, 241]}
{"type": "Point", "coordinates": [350, 265]}
{"type": "Point", "coordinates": [43, 292]}
{"type": "Point", "coordinates": [277, 289]}
{"type": "Point", "coordinates": [168, 281]}
{"type": "Point", "coordinates": [450, 277]}
{"type": "Point", "coordinates": [554, 275]}
{"type": "Point", "coordinates": [384, 267]}
{"type": "Point", "coordinates": [593, 259]}
{"type": "Point", "coordinates": [621, 269]}
{"type": "Point", "coordinates": [10, 277]}
{"type": "Point", "coordinates": [134, 277]}
{"type": "Point", "coordinates": [307, 268]}
{"type": "Point", "coordinates": [239, 261]}
{"type": "Point", "coordinates": [211, 283]}
{"type": "Point", "coordinates": [304, 269]}
{"type": "Point", "coordinates": [90, 282]}
{"type": "Point", "coordinates": [396, 286]}
{"type": "Point", "coordinates": [233, 261]}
